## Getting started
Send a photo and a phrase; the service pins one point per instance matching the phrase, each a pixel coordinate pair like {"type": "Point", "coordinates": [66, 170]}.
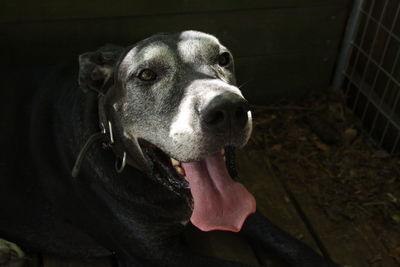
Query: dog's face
{"type": "Point", "coordinates": [177, 94]}
{"type": "Point", "coordinates": [165, 85]}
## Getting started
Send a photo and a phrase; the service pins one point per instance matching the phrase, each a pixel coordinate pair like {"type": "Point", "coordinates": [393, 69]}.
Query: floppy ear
{"type": "Point", "coordinates": [96, 68]}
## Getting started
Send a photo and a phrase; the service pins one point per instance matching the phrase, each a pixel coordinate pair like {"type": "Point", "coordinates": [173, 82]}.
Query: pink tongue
{"type": "Point", "coordinates": [219, 202]}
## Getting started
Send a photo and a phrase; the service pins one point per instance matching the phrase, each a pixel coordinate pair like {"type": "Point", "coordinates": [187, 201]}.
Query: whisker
{"type": "Point", "coordinates": [246, 82]}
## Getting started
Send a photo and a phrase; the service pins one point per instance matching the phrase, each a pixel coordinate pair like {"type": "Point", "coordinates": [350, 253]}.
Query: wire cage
{"type": "Point", "coordinates": [368, 69]}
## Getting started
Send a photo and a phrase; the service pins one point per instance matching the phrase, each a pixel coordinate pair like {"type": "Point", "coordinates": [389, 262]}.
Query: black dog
{"type": "Point", "coordinates": [149, 135]}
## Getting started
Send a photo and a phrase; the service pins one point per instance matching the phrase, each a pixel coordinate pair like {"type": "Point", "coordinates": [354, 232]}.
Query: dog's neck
{"type": "Point", "coordinates": [109, 139]}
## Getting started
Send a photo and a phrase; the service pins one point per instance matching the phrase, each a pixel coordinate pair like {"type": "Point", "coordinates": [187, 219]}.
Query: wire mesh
{"type": "Point", "coordinates": [369, 69]}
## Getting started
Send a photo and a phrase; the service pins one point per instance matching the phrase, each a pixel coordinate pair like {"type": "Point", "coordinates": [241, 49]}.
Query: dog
{"type": "Point", "coordinates": [128, 148]}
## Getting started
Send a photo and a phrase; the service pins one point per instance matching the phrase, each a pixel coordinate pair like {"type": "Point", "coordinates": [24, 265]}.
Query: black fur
{"type": "Point", "coordinates": [138, 216]}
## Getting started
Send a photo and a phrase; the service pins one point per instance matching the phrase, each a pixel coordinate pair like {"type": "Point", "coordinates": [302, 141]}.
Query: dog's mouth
{"type": "Point", "coordinates": [220, 203]}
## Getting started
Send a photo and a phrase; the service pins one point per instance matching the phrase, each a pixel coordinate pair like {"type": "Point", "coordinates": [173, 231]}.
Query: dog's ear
{"type": "Point", "coordinates": [96, 68]}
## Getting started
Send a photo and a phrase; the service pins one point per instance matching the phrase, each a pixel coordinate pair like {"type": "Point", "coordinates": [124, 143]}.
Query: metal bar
{"type": "Point", "coordinates": [376, 63]}
{"type": "Point", "coordinates": [388, 115]}
{"type": "Point", "coordinates": [380, 63]}
{"type": "Point", "coordinates": [375, 35]}
{"type": "Point", "coordinates": [358, 54]}
{"type": "Point", "coordinates": [395, 143]}
{"type": "Point", "coordinates": [385, 90]}
{"type": "Point", "coordinates": [391, 114]}
{"type": "Point", "coordinates": [397, 38]}
{"type": "Point", "coordinates": [385, 112]}
{"type": "Point", "coordinates": [352, 26]}
{"type": "Point", "coordinates": [353, 48]}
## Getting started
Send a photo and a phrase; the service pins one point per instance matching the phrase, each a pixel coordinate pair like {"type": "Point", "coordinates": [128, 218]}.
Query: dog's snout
{"type": "Point", "coordinates": [225, 111]}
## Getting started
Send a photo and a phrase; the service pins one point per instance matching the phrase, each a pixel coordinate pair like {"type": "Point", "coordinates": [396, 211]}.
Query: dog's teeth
{"type": "Point", "coordinates": [222, 151]}
{"type": "Point", "coordinates": [175, 162]}
{"type": "Point", "coordinates": [180, 170]}
{"type": "Point", "coordinates": [224, 158]}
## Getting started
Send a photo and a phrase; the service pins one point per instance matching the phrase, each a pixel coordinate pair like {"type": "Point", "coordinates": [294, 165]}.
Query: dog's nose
{"type": "Point", "coordinates": [227, 110]}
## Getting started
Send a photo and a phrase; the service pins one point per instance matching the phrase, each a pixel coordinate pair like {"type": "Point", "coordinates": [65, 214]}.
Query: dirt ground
{"type": "Point", "coordinates": [320, 145]}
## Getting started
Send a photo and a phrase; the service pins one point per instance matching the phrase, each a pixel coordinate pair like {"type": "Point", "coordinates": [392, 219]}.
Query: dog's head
{"type": "Point", "coordinates": [172, 98]}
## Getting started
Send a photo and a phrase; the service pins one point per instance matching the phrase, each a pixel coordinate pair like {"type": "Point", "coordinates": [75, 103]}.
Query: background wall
{"type": "Point", "coordinates": [282, 47]}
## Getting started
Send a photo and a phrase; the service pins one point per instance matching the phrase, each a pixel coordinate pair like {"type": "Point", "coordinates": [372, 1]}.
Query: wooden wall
{"type": "Point", "coordinates": [282, 47]}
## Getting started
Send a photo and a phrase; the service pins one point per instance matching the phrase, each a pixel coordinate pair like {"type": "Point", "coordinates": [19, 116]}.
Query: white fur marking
{"type": "Point", "coordinates": [181, 124]}
{"type": "Point", "coordinates": [158, 50]}
{"type": "Point", "coordinates": [191, 46]}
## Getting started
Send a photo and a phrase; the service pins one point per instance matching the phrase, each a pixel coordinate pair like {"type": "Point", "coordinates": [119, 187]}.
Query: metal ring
{"type": "Point", "coordinates": [123, 163]}
{"type": "Point", "coordinates": [110, 132]}
{"type": "Point", "coordinates": [103, 128]}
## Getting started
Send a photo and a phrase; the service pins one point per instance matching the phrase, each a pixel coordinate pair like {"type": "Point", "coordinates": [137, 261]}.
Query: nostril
{"type": "Point", "coordinates": [214, 117]}
{"type": "Point", "coordinates": [225, 112]}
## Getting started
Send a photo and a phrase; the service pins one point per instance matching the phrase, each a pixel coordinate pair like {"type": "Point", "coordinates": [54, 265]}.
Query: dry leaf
{"type": "Point", "coordinates": [395, 253]}
{"type": "Point", "coordinates": [349, 135]}
{"type": "Point", "coordinates": [277, 147]}
{"type": "Point", "coordinates": [321, 146]}
{"type": "Point", "coordinates": [381, 154]}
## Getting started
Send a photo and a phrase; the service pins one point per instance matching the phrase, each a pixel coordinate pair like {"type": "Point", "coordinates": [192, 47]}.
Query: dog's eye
{"type": "Point", "coordinates": [224, 59]}
{"type": "Point", "coordinates": [147, 75]}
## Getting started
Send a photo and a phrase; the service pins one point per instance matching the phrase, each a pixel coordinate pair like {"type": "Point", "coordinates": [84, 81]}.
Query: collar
{"type": "Point", "coordinates": [105, 137]}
